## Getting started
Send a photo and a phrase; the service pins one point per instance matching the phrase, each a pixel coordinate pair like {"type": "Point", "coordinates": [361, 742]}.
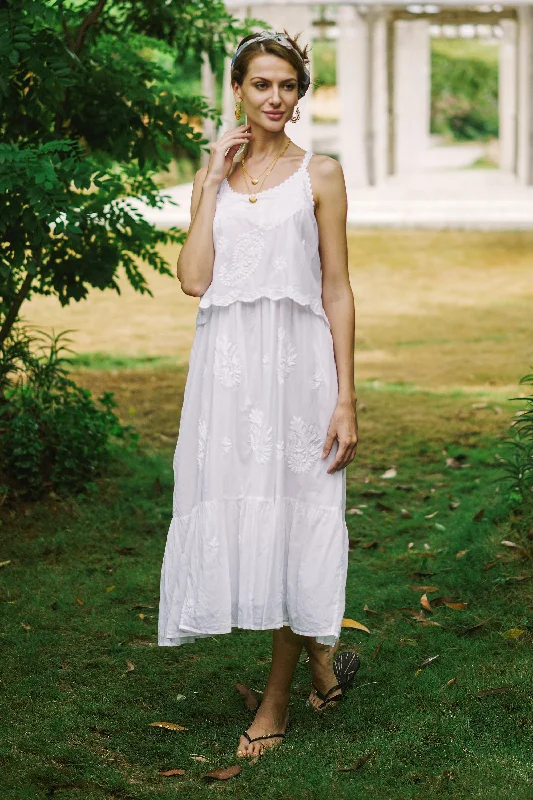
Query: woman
{"type": "Point", "coordinates": [258, 538]}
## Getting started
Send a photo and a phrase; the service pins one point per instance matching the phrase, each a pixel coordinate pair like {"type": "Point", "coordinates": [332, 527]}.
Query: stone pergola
{"type": "Point", "coordinates": [383, 79]}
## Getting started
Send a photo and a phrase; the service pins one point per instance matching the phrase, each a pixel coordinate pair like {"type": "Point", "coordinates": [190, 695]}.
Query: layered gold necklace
{"type": "Point", "coordinates": [253, 197]}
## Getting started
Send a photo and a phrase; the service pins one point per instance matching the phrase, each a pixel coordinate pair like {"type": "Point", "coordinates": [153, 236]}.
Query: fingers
{"type": "Point", "coordinates": [345, 454]}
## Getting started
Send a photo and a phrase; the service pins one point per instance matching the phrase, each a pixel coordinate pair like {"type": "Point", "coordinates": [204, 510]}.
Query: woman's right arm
{"type": "Point", "coordinates": [197, 255]}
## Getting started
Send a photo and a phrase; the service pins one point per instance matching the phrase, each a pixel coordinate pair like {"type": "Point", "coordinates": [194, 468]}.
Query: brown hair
{"type": "Point", "coordinates": [298, 59]}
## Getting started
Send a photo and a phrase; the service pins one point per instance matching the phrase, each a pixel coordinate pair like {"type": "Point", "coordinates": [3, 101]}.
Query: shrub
{"type": "Point", "coordinates": [464, 96]}
{"type": "Point", "coordinates": [518, 466]}
{"type": "Point", "coordinates": [52, 433]}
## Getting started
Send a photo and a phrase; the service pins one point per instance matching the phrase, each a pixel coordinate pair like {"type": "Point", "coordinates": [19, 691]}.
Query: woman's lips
{"type": "Point", "coordinates": [274, 114]}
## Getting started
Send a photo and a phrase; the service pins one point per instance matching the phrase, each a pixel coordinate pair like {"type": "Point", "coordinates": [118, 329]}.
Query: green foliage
{"type": "Point", "coordinates": [91, 109]}
{"type": "Point", "coordinates": [518, 466]}
{"type": "Point", "coordinates": [324, 57]}
{"type": "Point", "coordinates": [464, 94]}
{"type": "Point", "coordinates": [52, 433]}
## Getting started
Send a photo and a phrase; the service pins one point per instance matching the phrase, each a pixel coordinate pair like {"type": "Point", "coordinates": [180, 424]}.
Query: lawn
{"type": "Point", "coordinates": [441, 707]}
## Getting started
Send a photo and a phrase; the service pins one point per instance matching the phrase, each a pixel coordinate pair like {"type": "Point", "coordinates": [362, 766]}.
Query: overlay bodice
{"type": "Point", "coordinates": [268, 248]}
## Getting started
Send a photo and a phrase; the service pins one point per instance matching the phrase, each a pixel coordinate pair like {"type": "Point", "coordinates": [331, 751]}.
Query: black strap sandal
{"type": "Point", "coordinates": [268, 735]}
{"type": "Point", "coordinates": [345, 665]}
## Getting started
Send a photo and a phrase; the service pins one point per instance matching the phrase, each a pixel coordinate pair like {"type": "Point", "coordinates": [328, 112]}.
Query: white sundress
{"type": "Point", "coordinates": [258, 537]}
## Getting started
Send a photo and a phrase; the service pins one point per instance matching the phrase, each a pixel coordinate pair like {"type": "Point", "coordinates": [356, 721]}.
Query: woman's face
{"type": "Point", "coordinates": [269, 91]}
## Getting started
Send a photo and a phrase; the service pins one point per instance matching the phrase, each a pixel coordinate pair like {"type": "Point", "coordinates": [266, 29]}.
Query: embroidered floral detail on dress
{"type": "Point", "coordinates": [265, 361]}
{"type": "Point", "coordinates": [202, 442]}
{"type": "Point", "coordinates": [317, 380]}
{"type": "Point", "coordinates": [304, 445]}
{"type": "Point", "coordinates": [280, 264]}
{"type": "Point", "coordinates": [245, 258]}
{"type": "Point", "coordinates": [226, 445]}
{"type": "Point", "coordinates": [260, 436]}
{"type": "Point", "coordinates": [280, 449]}
{"type": "Point", "coordinates": [227, 364]}
{"type": "Point", "coordinates": [222, 244]}
{"type": "Point", "coordinates": [286, 355]}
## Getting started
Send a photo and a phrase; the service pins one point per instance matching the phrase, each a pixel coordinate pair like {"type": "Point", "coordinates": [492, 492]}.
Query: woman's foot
{"type": "Point", "coordinates": [270, 718]}
{"type": "Point", "coordinates": [323, 677]}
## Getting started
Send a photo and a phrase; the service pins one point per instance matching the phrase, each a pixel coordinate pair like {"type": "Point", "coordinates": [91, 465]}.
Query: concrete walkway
{"type": "Point", "coordinates": [445, 193]}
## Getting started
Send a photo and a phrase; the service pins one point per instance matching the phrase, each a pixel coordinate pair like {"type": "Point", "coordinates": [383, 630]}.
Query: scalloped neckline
{"type": "Point", "coordinates": [271, 189]}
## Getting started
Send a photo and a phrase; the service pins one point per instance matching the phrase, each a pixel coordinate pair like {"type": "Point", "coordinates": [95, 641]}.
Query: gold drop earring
{"type": "Point", "coordinates": [297, 115]}
{"type": "Point", "coordinates": [238, 112]}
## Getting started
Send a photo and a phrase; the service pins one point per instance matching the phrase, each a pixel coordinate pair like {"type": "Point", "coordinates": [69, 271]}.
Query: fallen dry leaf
{"type": "Point", "coordinates": [26, 626]}
{"type": "Point", "coordinates": [251, 701]}
{"type": "Point", "coordinates": [424, 602]}
{"type": "Point", "coordinates": [490, 565]}
{"type": "Point", "coordinates": [456, 606]}
{"type": "Point", "coordinates": [171, 726]}
{"type": "Point", "coordinates": [475, 627]}
{"type": "Point", "coordinates": [452, 506]}
{"type": "Point", "coordinates": [167, 773]}
{"type": "Point", "coordinates": [460, 554]}
{"type": "Point", "coordinates": [352, 623]}
{"type": "Point", "coordinates": [430, 516]}
{"type": "Point", "coordinates": [110, 588]}
{"type": "Point", "coordinates": [390, 473]}
{"type": "Point", "coordinates": [498, 690]}
{"type": "Point", "coordinates": [376, 651]}
{"type": "Point", "coordinates": [404, 514]}
{"type": "Point", "coordinates": [428, 588]}
{"type": "Point", "coordinates": [369, 610]}
{"type": "Point", "coordinates": [357, 764]}
{"type": "Point", "coordinates": [507, 543]}
{"type": "Point", "coordinates": [373, 543]}
{"type": "Point", "coordinates": [452, 680]}
{"type": "Point", "coordinates": [439, 601]}
{"type": "Point", "coordinates": [513, 633]}
{"type": "Point", "coordinates": [79, 601]}
{"type": "Point", "coordinates": [223, 774]}
{"type": "Point", "coordinates": [355, 511]}
{"type": "Point", "coordinates": [196, 757]}
{"type": "Point", "coordinates": [453, 463]}
{"type": "Point", "coordinates": [5, 563]}
{"type": "Point", "coordinates": [428, 661]}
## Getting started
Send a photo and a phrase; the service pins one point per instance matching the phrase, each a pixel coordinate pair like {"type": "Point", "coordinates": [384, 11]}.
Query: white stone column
{"type": "Point", "coordinates": [352, 52]}
{"type": "Point", "coordinates": [379, 151]}
{"type": "Point", "coordinates": [507, 92]}
{"type": "Point", "coordinates": [525, 95]}
{"type": "Point", "coordinates": [412, 93]}
{"type": "Point", "coordinates": [362, 86]}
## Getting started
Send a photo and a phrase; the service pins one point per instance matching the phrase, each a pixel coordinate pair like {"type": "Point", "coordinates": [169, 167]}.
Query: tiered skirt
{"type": "Point", "coordinates": [258, 537]}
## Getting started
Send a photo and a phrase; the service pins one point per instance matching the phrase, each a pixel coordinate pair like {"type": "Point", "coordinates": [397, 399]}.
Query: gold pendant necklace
{"type": "Point", "coordinates": [253, 197]}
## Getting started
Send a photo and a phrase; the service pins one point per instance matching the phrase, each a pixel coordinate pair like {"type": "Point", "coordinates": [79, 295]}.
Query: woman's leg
{"type": "Point", "coordinates": [272, 715]}
{"type": "Point", "coordinates": [321, 663]}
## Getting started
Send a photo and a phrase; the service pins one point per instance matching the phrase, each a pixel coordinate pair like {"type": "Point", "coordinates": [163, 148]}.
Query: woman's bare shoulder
{"type": "Point", "coordinates": [327, 177]}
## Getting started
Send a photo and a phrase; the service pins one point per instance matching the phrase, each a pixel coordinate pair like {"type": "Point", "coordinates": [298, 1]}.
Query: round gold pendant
{"type": "Point", "coordinates": [252, 198]}
{"type": "Point", "coordinates": [255, 180]}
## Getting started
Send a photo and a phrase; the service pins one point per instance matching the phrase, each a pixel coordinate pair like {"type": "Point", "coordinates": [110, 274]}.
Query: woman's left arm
{"type": "Point", "coordinates": [331, 207]}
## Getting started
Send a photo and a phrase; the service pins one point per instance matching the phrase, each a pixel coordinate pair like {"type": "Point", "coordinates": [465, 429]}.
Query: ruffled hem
{"type": "Point", "coordinates": [187, 637]}
{"type": "Point", "coordinates": [257, 564]}
{"type": "Point", "coordinates": [272, 292]}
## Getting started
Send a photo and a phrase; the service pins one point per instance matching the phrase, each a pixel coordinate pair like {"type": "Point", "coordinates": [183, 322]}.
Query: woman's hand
{"type": "Point", "coordinates": [343, 426]}
{"type": "Point", "coordinates": [223, 152]}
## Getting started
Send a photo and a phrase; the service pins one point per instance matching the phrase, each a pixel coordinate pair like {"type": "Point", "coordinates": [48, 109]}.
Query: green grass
{"type": "Point", "coordinates": [76, 718]}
